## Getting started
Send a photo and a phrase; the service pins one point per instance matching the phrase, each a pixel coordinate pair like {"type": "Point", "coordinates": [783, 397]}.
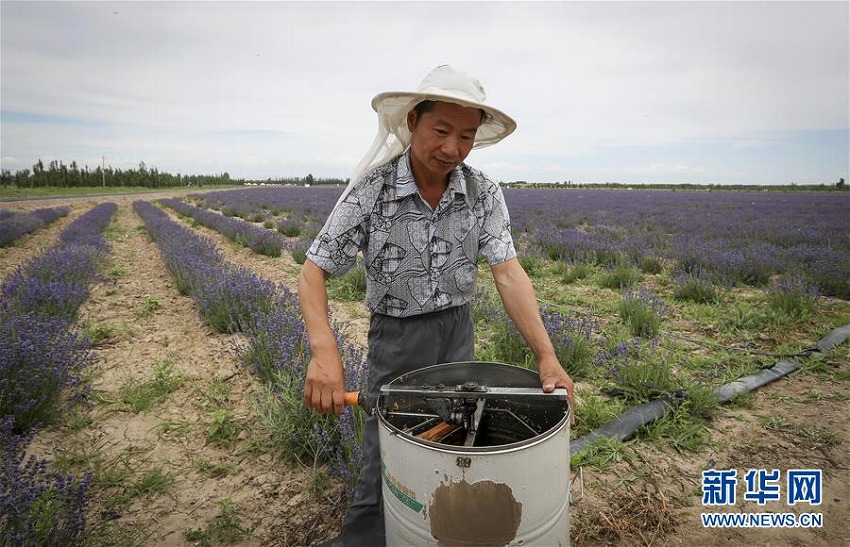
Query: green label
{"type": "Point", "coordinates": [404, 494]}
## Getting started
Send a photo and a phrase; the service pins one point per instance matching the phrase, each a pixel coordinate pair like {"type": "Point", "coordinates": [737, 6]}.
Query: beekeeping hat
{"type": "Point", "coordinates": [444, 83]}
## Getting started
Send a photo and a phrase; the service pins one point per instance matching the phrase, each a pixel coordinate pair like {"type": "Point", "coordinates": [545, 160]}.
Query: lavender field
{"type": "Point", "coordinates": [730, 237]}
{"type": "Point", "coordinates": [184, 365]}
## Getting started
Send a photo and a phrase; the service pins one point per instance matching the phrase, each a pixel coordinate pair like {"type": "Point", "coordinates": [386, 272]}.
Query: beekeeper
{"type": "Point", "coordinates": [421, 217]}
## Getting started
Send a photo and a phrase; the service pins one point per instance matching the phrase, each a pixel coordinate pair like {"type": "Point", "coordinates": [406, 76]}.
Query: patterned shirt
{"type": "Point", "coordinates": [417, 260]}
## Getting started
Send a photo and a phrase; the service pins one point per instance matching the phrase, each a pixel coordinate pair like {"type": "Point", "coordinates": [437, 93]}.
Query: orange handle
{"type": "Point", "coordinates": [353, 398]}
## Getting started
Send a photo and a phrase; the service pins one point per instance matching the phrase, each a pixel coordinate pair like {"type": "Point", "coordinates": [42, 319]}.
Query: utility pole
{"type": "Point", "coordinates": [103, 169]}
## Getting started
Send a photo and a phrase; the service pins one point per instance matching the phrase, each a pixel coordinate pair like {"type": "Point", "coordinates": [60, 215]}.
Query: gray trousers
{"type": "Point", "coordinates": [396, 347]}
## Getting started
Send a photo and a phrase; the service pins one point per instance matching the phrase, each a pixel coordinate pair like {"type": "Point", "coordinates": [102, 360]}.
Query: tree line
{"type": "Point", "coordinates": [58, 174]}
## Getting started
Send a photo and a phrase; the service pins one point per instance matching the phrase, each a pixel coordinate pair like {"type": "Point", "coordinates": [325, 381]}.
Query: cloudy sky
{"type": "Point", "coordinates": [632, 92]}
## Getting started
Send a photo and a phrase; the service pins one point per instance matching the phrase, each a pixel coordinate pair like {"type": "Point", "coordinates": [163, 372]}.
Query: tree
{"type": "Point", "coordinates": [6, 178]}
{"type": "Point", "coordinates": [840, 183]}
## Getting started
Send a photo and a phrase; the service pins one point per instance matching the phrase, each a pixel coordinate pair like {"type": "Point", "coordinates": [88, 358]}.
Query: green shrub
{"type": "Point", "coordinates": [350, 286]}
{"type": "Point", "coordinates": [289, 228]}
{"type": "Point", "coordinates": [601, 454]}
{"type": "Point", "coordinates": [651, 265]}
{"type": "Point", "coordinates": [642, 312]}
{"type": "Point", "coordinates": [141, 396]}
{"type": "Point", "coordinates": [591, 412]}
{"type": "Point", "coordinates": [793, 297]}
{"type": "Point", "coordinates": [531, 263]}
{"type": "Point", "coordinates": [695, 288]}
{"type": "Point", "coordinates": [570, 273]}
{"type": "Point", "coordinates": [150, 305]}
{"type": "Point", "coordinates": [679, 429]}
{"type": "Point", "coordinates": [623, 275]}
{"type": "Point", "coordinates": [642, 381]}
{"type": "Point", "coordinates": [223, 427]}
{"type": "Point", "coordinates": [299, 255]}
{"type": "Point", "coordinates": [225, 529]}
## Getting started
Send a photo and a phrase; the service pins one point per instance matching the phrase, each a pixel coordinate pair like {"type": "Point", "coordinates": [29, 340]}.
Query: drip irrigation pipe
{"type": "Point", "coordinates": [636, 417]}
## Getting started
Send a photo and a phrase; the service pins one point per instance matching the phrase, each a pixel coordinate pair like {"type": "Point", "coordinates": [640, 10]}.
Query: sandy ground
{"type": "Point", "coordinates": [654, 500]}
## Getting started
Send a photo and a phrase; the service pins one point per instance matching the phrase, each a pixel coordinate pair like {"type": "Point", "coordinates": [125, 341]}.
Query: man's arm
{"type": "Point", "coordinates": [324, 385]}
{"type": "Point", "coordinates": [520, 302]}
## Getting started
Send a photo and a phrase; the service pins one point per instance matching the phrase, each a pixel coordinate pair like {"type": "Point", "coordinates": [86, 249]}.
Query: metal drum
{"type": "Point", "coordinates": [474, 453]}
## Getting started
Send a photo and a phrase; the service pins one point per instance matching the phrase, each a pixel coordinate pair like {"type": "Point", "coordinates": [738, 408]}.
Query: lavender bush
{"type": "Point", "coordinates": [573, 338]}
{"type": "Point", "coordinates": [14, 225]}
{"type": "Point", "coordinates": [88, 228]}
{"type": "Point", "coordinates": [696, 286]}
{"type": "Point", "coordinates": [37, 507]}
{"type": "Point", "coordinates": [277, 350]}
{"type": "Point", "coordinates": [55, 282]}
{"type": "Point", "coordinates": [278, 339]}
{"type": "Point", "coordinates": [290, 228]}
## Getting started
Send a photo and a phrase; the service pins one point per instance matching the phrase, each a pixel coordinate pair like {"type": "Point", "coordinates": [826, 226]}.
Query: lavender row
{"type": "Point", "coordinates": [14, 225]}
{"type": "Point", "coordinates": [256, 238]}
{"type": "Point", "coordinates": [276, 347]}
{"type": "Point", "coordinates": [42, 356]}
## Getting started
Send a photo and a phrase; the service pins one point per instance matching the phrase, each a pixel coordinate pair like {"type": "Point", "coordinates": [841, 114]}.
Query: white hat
{"type": "Point", "coordinates": [444, 83]}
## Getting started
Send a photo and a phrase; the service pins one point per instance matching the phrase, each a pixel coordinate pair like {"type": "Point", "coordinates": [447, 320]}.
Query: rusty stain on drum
{"type": "Point", "coordinates": [483, 513]}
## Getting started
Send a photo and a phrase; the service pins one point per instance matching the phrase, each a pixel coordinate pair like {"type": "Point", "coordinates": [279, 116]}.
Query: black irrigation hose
{"type": "Point", "coordinates": [633, 419]}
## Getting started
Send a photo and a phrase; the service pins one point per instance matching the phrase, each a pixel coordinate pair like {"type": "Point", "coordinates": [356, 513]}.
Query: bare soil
{"type": "Point", "coordinates": [655, 500]}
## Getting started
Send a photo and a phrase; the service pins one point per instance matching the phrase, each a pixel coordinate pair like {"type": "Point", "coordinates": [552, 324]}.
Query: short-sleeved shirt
{"type": "Point", "coordinates": [417, 260]}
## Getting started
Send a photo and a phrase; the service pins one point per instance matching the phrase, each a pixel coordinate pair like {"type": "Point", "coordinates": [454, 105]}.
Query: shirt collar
{"type": "Point", "coordinates": [406, 184]}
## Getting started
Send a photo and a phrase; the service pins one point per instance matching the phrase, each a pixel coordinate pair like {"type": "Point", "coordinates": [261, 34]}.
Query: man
{"type": "Point", "coordinates": [421, 217]}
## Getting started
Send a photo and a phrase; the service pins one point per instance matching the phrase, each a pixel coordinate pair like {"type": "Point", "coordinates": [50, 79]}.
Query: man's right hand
{"type": "Point", "coordinates": [324, 386]}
